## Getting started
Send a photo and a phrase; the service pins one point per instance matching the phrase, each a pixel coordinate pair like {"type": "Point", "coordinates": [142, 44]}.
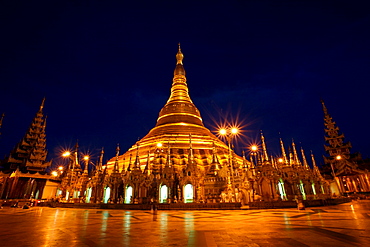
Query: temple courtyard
{"type": "Point", "coordinates": [341, 225]}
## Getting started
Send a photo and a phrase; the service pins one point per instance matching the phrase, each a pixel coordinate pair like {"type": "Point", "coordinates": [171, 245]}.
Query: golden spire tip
{"type": "Point", "coordinates": [179, 56]}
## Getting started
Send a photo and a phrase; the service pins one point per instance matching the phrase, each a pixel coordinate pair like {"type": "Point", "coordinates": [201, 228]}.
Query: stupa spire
{"type": "Point", "coordinates": [179, 55]}
{"type": "Point", "coordinates": [273, 162]}
{"type": "Point", "coordinates": [264, 149]}
{"type": "Point", "coordinates": [77, 162]}
{"type": "Point", "coordinates": [291, 158]}
{"type": "Point", "coordinates": [283, 152]}
{"type": "Point", "coordinates": [100, 162]}
{"type": "Point", "coordinates": [305, 164]}
{"type": "Point", "coordinates": [315, 168]}
{"type": "Point", "coordinates": [137, 159]}
{"type": "Point", "coordinates": [123, 165]}
{"type": "Point", "coordinates": [325, 110]}
{"type": "Point", "coordinates": [147, 168]}
{"type": "Point", "coordinates": [179, 107]}
{"type": "Point", "coordinates": [214, 154]}
{"type": "Point", "coordinates": [116, 165]}
{"type": "Point", "coordinates": [214, 168]}
{"type": "Point", "coordinates": [42, 104]}
{"type": "Point", "coordinates": [245, 164]}
{"type": "Point", "coordinates": [129, 163]}
{"type": "Point", "coordinates": [297, 162]}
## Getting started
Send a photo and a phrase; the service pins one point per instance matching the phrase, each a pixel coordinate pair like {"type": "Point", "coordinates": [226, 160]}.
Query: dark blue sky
{"type": "Point", "coordinates": [106, 67]}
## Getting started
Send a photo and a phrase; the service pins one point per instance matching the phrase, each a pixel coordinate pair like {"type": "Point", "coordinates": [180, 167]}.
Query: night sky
{"type": "Point", "coordinates": [106, 68]}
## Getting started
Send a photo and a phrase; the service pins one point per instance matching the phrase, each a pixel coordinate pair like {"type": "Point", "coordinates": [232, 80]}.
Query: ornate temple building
{"type": "Point", "coordinates": [342, 164]}
{"type": "Point", "coordinates": [22, 173]}
{"type": "Point", "coordinates": [181, 161]}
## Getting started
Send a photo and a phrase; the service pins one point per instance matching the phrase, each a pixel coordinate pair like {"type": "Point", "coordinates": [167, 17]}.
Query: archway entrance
{"type": "Point", "coordinates": [188, 193]}
{"type": "Point", "coordinates": [76, 193]}
{"type": "Point", "coordinates": [106, 195]}
{"type": "Point", "coordinates": [163, 195]}
{"type": "Point", "coordinates": [281, 190]}
{"type": "Point", "coordinates": [88, 194]}
{"type": "Point", "coordinates": [313, 188]}
{"type": "Point", "coordinates": [128, 195]}
{"type": "Point", "coordinates": [37, 194]}
{"type": "Point", "coordinates": [301, 188]}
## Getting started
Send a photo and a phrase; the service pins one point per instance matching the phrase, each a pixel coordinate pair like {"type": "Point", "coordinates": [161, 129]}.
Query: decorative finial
{"type": "Point", "coordinates": [99, 167]}
{"type": "Point", "coordinates": [283, 153]}
{"type": "Point", "coordinates": [117, 150]}
{"type": "Point", "coordinates": [313, 160]}
{"type": "Point", "coordinates": [179, 56]}
{"type": "Point", "coordinates": [264, 149]}
{"type": "Point", "coordinates": [42, 104]}
{"type": "Point", "coordinates": [324, 107]}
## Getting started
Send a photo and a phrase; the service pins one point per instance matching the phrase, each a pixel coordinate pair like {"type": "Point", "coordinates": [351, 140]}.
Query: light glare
{"type": "Point", "coordinates": [66, 154]}
{"type": "Point", "coordinates": [223, 131]}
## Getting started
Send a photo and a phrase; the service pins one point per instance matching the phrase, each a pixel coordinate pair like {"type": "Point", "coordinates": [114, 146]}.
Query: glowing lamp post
{"type": "Point", "coordinates": [338, 158]}
{"type": "Point", "coordinates": [86, 159]}
{"type": "Point", "coordinates": [58, 172]}
{"type": "Point", "coordinates": [67, 154]}
{"type": "Point", "coordinates": [254, 148]}
{"type": "Point", "coordinates": [229, 133]}
{"type": "Point", "coordinates": [253, 151]}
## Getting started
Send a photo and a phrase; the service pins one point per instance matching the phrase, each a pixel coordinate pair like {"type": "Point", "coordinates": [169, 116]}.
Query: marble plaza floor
{"type": "Point", "coordinates": [342, 225]}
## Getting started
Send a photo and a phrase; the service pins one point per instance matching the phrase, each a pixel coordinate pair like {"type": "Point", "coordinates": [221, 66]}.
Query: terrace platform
{"type": "Point", "coordinates": [346, 224]}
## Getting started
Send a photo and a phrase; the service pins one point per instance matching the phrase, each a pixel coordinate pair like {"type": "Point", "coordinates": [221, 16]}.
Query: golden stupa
{"type": "Point", "coordinates": [179, 127]}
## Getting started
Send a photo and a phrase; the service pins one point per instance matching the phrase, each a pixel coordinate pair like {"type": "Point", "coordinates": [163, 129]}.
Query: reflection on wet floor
{"type": "Point", "coordinates": [342, 225]}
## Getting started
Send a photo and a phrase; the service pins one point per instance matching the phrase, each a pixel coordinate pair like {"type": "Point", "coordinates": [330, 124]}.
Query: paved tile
{"type": "Point", "coordinates": [342, 225]}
